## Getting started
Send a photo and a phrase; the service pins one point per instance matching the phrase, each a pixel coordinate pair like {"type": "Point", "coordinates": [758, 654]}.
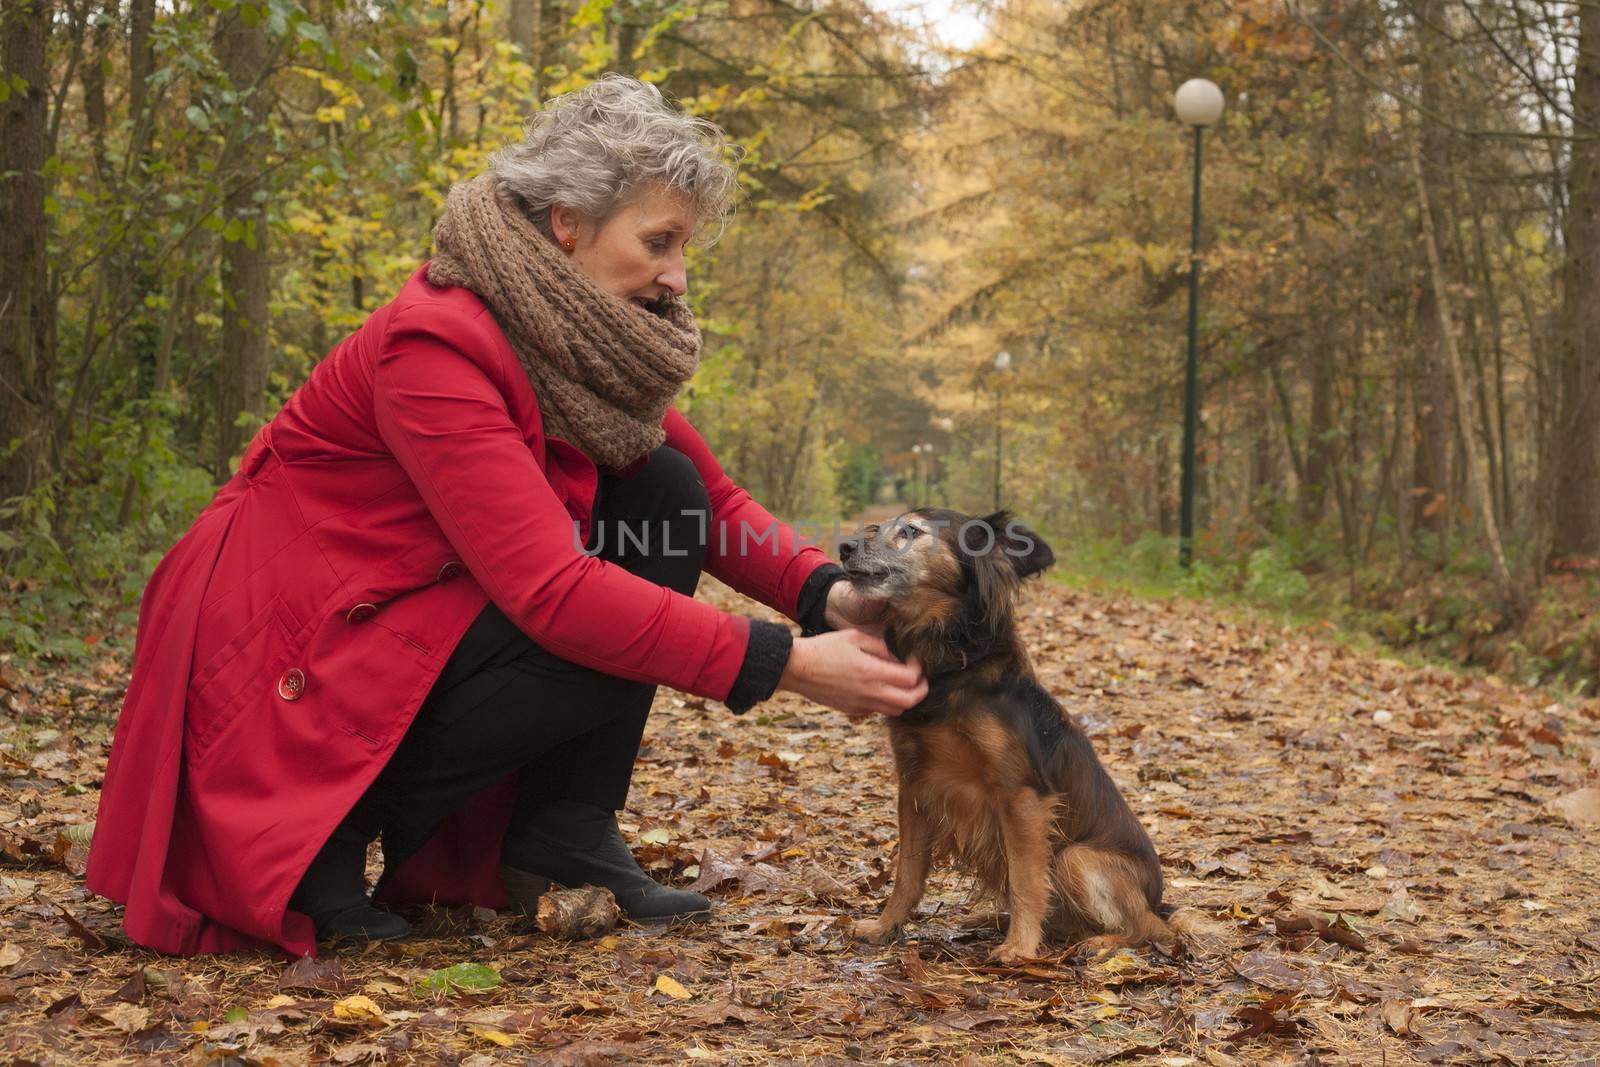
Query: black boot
{"type": "Point", "coordinates": [333, 892]}
{"type": "Point", "coordinates": [574, 844]}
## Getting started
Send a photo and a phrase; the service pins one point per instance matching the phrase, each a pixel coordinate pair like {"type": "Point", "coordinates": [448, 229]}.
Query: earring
{"type": "Point", "coordinates": [569, 242]}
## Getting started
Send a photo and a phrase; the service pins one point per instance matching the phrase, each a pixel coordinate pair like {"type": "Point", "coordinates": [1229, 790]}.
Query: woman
{"type": "Point", "coordinates": [436, 599]}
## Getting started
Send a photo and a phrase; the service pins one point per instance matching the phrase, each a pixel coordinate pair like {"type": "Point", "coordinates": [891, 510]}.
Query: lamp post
{"type": "Point", "coordinates": [1198, 103]}
{"type": "Point", "coordinates": [916, 473]}
{"type": "Point", "coordinates": [1002, 361]}
{"type": "Point", "coordinates": [927, 474]}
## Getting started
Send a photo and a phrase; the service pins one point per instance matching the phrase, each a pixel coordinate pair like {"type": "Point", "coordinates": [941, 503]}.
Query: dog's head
{"type": "Point", "coordinates": [941, 570]}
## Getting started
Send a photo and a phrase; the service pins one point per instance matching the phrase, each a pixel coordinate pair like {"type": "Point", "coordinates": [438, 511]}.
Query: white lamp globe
{"type": "Point", "coordinates": [1198, 102]}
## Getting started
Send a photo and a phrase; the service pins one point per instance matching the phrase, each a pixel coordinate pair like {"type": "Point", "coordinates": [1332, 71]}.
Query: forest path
{"type": "Point", "coordinates": [1435, 820]}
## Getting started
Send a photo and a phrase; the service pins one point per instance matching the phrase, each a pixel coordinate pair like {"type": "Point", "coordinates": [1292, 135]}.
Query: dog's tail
{"type": "Point", "coordinates": [1197, 930]}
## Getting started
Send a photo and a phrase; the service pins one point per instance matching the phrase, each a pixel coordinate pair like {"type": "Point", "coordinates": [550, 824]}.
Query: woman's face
{"type": "Point", "coordinates": [637, 253]}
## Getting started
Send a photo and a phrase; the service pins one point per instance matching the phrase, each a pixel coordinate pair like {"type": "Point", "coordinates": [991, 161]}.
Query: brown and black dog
{"type": "Point", "coordinates": [993, 773]}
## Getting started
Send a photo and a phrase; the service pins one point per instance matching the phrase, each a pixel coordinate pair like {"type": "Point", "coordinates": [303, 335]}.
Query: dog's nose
{"type": "Point", "coordinates": [848, 549]}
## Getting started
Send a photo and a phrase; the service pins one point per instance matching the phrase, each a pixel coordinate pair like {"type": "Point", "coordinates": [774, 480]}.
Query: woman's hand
{"type": "Point", "coordinates": [848, 609]}
{"type": "Point", "coordinates": [853, 672]}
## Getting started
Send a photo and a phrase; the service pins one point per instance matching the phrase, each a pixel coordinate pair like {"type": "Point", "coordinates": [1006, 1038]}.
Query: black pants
{"type": "Point", "coordinates": [503, 704]}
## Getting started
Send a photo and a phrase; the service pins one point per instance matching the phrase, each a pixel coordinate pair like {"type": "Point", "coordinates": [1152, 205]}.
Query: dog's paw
{"type": "Point", "coordinates": [1100, 945]}
{"type": "Point", "coordinates": [876, 931]}
{"type": "Point", "coordinates": [1013, 954]}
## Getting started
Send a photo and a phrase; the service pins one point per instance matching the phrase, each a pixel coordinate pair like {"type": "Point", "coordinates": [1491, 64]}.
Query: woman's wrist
{"type": "Point", "coordinates": [766, 658]}
{"type": "Point", "coordinates": [812, 610]}
{"type": "Point", "coordinates": [832, 603]}
{"type": "Point", "coordinates": [798, 667]}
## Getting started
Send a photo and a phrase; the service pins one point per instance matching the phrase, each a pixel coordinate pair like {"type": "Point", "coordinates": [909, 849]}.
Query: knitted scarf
{"type": "Point", "coordinates": [604, 369]}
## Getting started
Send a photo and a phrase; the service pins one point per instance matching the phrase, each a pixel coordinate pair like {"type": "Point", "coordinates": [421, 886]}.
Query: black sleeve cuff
{"type": "Point", "coordinates": [812, 606]}
{"type": "Point", "coordinates": [765, 657]}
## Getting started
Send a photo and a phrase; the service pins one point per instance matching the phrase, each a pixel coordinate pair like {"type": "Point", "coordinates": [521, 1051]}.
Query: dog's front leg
{"type": "Point", "coordinates": [910, 874]}
{"type": "Point", "coordinates": [1025, 819]}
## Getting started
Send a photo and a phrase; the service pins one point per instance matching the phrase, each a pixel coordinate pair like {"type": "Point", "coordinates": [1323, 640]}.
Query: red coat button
{"type": "Point", "coordinates": [451, 570]}
{"type": "Point", "coordinates": [292, 685]}
{"type": "Point", "coordinates": [361, 613]}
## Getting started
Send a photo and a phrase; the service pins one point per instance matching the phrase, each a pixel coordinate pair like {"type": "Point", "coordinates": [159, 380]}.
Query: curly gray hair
{"type": "Point", "coordinates": [594, 148]}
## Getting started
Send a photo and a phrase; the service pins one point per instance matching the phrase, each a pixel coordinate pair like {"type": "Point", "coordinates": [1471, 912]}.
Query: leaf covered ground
{"type": "Point", "coordinates": [1374, 863]}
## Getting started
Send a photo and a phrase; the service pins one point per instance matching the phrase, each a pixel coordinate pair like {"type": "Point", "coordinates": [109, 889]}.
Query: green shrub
{"type": "Point", "coordinates": [857, 478]}
{"type": "Point", "coordinates": [1204, 579]}
{"type": "Point", "coordinates": [66, 548]}
{"type": "Point", "coordinates": [1272, 578]}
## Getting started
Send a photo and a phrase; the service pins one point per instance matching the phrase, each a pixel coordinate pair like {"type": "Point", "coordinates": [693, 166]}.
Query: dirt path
{"type": "Point", "coordinates": [1290, 784]}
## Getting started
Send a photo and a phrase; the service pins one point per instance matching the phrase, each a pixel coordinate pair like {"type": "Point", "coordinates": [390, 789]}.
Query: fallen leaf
{"type": "Point", "coordinates": [972, 1020]}
{"type": "Point", "coordinates": [1397, 1016]}
{"type": "Point", "coordinates": [24, 851]}
{"type": "Point", "coordinates": [133, 990]}
{"type": "Point", "coordinates": [358, 1009]}
{"type": "Point", "coordinates": [577, 1054]}
{"type": "Point", "coordinates": [92, 942]}
{"type": "Point", "coordinates": [360, 1052]}
{"type": "Point", "coordinates": [495, 1037]}
{"type": "Point", "coordinates": [1334, 933]}
{"type": "Point", "coordinates": [125, 1017]}
{"type": "Point", "coordinates": [1401, 907]}
{"type": "Point", "coordinates": [1261, 1021]}
{"type": "Point", "coordinates": [724, 1012]}
{"type": "Point", "coordinates": [1271, 970]}
{"type": "Point", "coordinates": [673, 988]}
{"type": "Point", "coordinates": [155, 1039]}
{"type": "Point", "coordinates": [66, 1003]}
{"type": "Point", "coordinates": [749, 878]}
{"type": "Point", "coordinates": [313, 972]}
{"type": "Point", "coordinates": [461, 978]}
{"type": "Point", "coordinates": [1581, 807]}
{"type": "Point", "coordinates": [826, 889]}
{"type": "Point", "coordinates": [386, 986]}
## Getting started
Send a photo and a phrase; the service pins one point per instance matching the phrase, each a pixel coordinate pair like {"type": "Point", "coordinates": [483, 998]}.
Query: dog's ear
{"type": "Point", "coordinates": [989, 581]}
{"type": "Point", "coordinates": [1025, 549]}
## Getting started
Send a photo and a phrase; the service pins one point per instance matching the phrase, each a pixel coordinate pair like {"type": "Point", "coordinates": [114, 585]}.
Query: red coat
{"type": "Point", "coordinates": [286, 642]}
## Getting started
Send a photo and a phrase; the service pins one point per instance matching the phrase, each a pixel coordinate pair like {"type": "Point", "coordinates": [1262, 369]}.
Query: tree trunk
{"type": "Point", "coordinates": [243, 50]}
{"type": "Point", "coordinates": [1430, 384]}
{"type": "Point", "coordinates": [521, 24]}
{"type": "Point", "coordinates": [552, 22]}
{"type": "Point", "coordinates": [1166, 522]}
{"type": "Point", "coordinates": [1576, 510]}
{"type": "Point", "coordinates": [141, 63]}
{"type": "Point", "coordinates": [1265, 481]}
{"type": "Point", "coordinates": [131, 262]}
{"type": "Point", "coordinates": [1321, 453]}
{"type": "Point", "coordinates": [94, 92]}
{"type": "Point", "coordinates": [1477, 473]}
{"type": "Point", "coordinates": [26, 312]}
